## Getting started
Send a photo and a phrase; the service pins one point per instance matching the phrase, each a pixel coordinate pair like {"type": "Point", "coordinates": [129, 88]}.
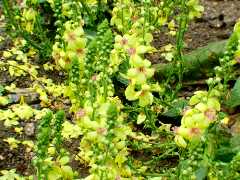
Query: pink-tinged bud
{"type": "Point", "coordinates": [102, 131]}
{"type": "Point", "coordinates": [81, 113]}
{"type": "Point", "coordinates": [187, 133]}
{"type": "Point", "coordinates": [131, 51]}
{"type": "Point", "coordinates": [94, 77]}
{"type": "Point", "coordinates": [210, 114]}
{"type": "Point", "coordinates": [182, 131]}
{"type": "Point", "coordinates": [118, 178]}
{"type": "Point", "coordinates": [134, 18]}
{"type": "Point", "coordinates": [72, 36]}
{"type": "Point", "coordinates": [175, 129]}
{"type": "Point", "coordinates": [195, 131]}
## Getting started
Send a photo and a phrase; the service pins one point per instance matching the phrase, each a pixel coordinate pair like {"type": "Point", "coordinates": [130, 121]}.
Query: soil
{"type": "Point", "coordinates": [216, 24]}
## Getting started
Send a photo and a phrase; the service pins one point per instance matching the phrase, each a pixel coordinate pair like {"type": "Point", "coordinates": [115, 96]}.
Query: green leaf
{"type": "Point", "coordinates": [3, 100]}
{"type": "Point", "coordinates": [54, 174]}
{"type": "Point", "coordinates": [64, 160]}
{"type": "Point", "coordinates": [122, 79]}
{"type": "Point", "coordinates": [67, 172]}
{"type": "Point", "coordinates": [176, 110]}
{"type": "Point", "coordinates": [201, 173]}
{"type": "Point", "coordinates": [234, 99]}
{"type": "Point", "coordinates": [1, 90]}
{"type": "Point", "coordinates": [224, 154]}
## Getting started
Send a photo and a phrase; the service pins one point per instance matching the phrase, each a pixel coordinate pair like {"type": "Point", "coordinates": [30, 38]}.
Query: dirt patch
{"type": "Point", "coordinates": [216, 24]}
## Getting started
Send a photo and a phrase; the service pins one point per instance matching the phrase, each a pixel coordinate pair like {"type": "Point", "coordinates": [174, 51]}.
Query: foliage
{"type": "Point", "coordinates": [47, 166]}
{"type": "Point", "coordinates": [10, 175]}
{"type": "Point", "coordinates": [110, 100]}
{"type": "Point", "coordinates": [234, 99]}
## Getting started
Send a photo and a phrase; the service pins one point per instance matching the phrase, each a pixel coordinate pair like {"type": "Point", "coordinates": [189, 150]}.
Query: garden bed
{"type": "Point", "coordinates": [214, 26]}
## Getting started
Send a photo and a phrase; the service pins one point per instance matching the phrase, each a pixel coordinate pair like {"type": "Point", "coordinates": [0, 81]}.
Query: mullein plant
{"type": "Point", "coordinates": [199, 118]}
{"type": "Point", "coordinates": [136, 27]}
{"type": "Point", "coordinates": [132, 46]}
{"type": "Point", "coordinates": [68, 31]}
{"type": "Point", "coordinates": [104, 144]}
{"type": "Point", "coordinates": [202, 130]}
{"type": "Point", "coordinates": [59, 157]}
{"type": "Point", "coordinates": [226, 70]}
{"type": "Point", "coordinates": [129, 51]}
{"type": "Point", "coordinates": [215, 155]}
{"type": "Point", "coordinates": [74, 47]}
{"type": "Point", "coordinates": [206, 105]}
{"type": "Point", "coordinates": [72, 14]}
{"type": "Point", "coordinates": [140, 70]}
{"type": "Point", "coordinates": [188, 10]}
{"type": "Point", "coordinates": [43, 141]}
{"type": "Point", "coordinates": [51, 159]}
{"type": "Point", "coordinates": [203, 111]}
{"type": "Point", "coordinates": [58, 126]}
{"type": "Point", "coordinates": [90, 73]}
{"type": "Point", "coordinates": [57, 7]}
{"type": "Point", "coordinates": [97, 112]}
{"type": "Point", "coordinates": [24, 21]}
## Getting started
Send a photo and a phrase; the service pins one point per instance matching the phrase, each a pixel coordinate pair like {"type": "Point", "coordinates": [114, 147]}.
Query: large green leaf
{"type": "Point", "coordinates": [234, 99]}
{"type": "Point", "coordinates": [177, 108]}
{"type": "Point", "coordinates": [201, 173]}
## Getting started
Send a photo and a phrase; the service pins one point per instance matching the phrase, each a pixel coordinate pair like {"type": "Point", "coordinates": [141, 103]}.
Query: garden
{"type": "Point", "coordinates": [119, 90]}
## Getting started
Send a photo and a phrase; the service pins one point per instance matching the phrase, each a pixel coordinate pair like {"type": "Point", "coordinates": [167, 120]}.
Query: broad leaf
{"type": "Point", "coordinates": [201, 173]}
{"type": "Point", "coordinates": [177, 108]}
{"type": "Point", "coordinates": [234, 99]}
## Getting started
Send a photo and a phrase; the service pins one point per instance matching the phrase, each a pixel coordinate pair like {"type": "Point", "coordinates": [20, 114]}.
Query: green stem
{"type": "Point", "coordinates": [44, 48]}
{"type": "Point", "coordinates": [179, 41]}
{"type": "Point", "coordinates": [150, 119]}
{"type": "Point", "coordinates": [122, 16]}
{"type": "Point", "coordinates": [162, 156]}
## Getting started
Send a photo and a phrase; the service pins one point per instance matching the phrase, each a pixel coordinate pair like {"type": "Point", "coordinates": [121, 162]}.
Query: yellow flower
{"type": "Point", "coordinates": [141, 72]}
{"type": "Point", "coordinates": [131, 94]}
{"type": "Point", "coordinates": [144, 95]}
{"type": "Point", "coordinates": [141, 118]}
{"type": "Point", "coordinates": [115, 61]}
{"type": "Point", "coordinates": [71, 36]}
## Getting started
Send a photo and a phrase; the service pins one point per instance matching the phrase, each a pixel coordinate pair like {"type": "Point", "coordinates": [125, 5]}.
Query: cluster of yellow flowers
{"type": "Point", "coordinates": [103, 145]}
{"type": "Point", "coordinates": [198, 118]}
{"type": "Point", "coordinates": [132, 46]}
{"type": "Point", "coordinates": [75, 45]}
